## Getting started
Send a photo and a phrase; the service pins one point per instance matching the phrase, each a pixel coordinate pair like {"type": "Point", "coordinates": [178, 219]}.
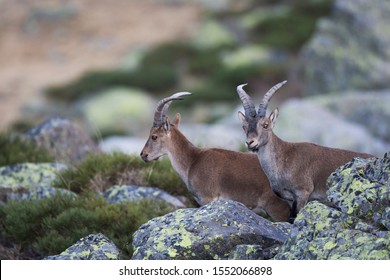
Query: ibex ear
{"type": "Point", "coordinates": [243, 120]}
{"type": "Point", "coordinates": [274, 115]}
{"type": "Point", "coordinates": [167, 125]}
{"type": "Point", "coordinates": [176, 120]}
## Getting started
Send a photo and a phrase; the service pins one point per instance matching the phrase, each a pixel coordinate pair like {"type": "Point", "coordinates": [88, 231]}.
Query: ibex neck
{"type": "Point", "coordinates": [182, 153]}
{"type": "Point", "coordinates": [270, 156]}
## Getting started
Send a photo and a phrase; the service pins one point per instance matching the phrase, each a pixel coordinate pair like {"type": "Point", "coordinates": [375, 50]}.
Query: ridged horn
{"type": "Point", "coordinates": [163, 105]}
{"type": "Point", "coordinates": [267, 97]}
{"type": "Point", "coordinates": [249, 107]}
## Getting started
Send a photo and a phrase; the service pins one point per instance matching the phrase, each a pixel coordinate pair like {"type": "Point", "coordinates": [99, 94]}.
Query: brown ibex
{"type": "Point", "coordinates": [212, 174]}
{"type": "Point", "coordinates": [296, 171]}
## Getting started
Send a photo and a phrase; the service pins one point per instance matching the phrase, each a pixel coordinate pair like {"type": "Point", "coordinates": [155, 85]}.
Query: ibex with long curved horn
{"type": "Point", "coordinates": [296, 171]}
{"type": "Point", "coordinates": [212, 174]}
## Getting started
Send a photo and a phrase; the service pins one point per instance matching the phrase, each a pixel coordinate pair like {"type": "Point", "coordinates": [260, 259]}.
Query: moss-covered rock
{"type": "Point", "coordinates": [65, 140]}
{"type": "Point", "coordinates": [358, 228]}
{"type": "Point", "coordinates": [117, 110]}
{"type": "Point", "coordinates": [26, 181]}
{"type": "Point", "coordinates": [91, 247]}
{"type": "Point", "coordinates": [361, 188]}
{"type": "Point", "coordinates": [210, 232]}
{"type": "Point", "coordinates": [121, 193]}
{"type": "Point", "coordinates": [351, 49]}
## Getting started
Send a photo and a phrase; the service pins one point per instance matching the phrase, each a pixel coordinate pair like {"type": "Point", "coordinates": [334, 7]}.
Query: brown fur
{"type": "Point", "coordinates": [212, 174]}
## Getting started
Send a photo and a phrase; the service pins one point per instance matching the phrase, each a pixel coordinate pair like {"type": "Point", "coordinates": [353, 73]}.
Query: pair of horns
{"type": "Point", "coordinates": [163, 105]}
{"type": "Point", "coordinates": [249, 107]}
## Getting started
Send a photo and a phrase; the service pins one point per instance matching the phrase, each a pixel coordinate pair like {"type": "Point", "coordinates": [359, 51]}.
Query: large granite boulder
{"type": "Point", "coordinates": [29, 181]}
{"type": "Point", "coordinates": [67, 142]}
{"type": "Point", "coordinates": [358, 228]}
{"type": "Point", "coordinates": [210, 232]}
{"type": "Point", "coordinates": [92, 247]}
{"type": "Point", "coordinates": [351, 49]}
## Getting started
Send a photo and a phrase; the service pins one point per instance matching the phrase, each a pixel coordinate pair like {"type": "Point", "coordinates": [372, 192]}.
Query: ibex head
{"type": "Point", "coordinates": [159, 136]}
{"type": "Point", "coordinates": [257, 126]}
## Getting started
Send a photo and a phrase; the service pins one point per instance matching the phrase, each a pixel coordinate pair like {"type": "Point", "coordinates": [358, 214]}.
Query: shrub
{"type": "Point", "coordinates": [100, 172]}
{"type": "Point", "coordinates": [14, 149]}
{"type": "Point", "coordinates": [292, 29]}
{"type": "Point", "coordinates": [51, 225]}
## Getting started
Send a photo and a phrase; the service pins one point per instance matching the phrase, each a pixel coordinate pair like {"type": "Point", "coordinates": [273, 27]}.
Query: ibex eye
{"type": "Point", "coordinates": [154, 137]}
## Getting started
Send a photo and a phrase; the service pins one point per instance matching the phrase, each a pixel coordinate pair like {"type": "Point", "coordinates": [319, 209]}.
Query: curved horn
{"type": "Point", "coordinates": [267, 97]}
{"type": "Point", "coordinates": [163, 105]}
{"type": "Point", "coordinates": [246, 100]}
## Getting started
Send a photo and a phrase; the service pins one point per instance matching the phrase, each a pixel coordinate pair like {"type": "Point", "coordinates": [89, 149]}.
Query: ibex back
{"type": "Point", "coordinates": [212, 174]}
{"type": "Point", "coordinates": [296, 171]}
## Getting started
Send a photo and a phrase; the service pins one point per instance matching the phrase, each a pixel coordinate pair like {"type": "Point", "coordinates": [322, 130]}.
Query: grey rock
{"type": "Point", "coordinates": [117, 194]}
{"type": "Point", "coordinates": [30, 181]}
{"type": "Point", "coordinates": [91, 247]}
{"type": "Point", "coordinates": [306, 120]}
{"type": "Point", "coordinates": [210, 232]}
{"type": "Point", "coordinates": [67, 142]}
{"type": "Point", "coordinates": [350, 49]}
{"type": "Point", "coordinates": [358, 226]}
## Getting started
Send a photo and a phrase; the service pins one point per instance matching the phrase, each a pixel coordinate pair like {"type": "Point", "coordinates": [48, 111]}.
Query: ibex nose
{"type": "Point", "coordinates": [144, 155]}
{"type": "Point", "coordinates": [249, 143]}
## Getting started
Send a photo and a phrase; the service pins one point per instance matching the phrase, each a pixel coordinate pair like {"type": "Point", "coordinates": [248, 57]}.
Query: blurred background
{"type": "Point", "coordinates": [104, 65]}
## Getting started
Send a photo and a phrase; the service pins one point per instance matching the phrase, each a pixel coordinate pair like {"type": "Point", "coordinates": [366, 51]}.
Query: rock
{"type": "Point", "coordinates": [27, 181]}
{"type": "Point", "coordinates": [118, 110]}
{"type": "Point", "coordinates": [125, 144]}
{"type": "Point", "coordinates": [252, 252]}
{"type": "Point", "coordinates": [91, 247]}
{"type": "Point", "coordinates": [369, 108]}
{"type": "Point", "coordinates": [210, 232]}
{"type": "Point", "coordinates": [65, 140]}
{"type": "Point", "coordinates": [308, 121]}
{"type": "Point", "coordinates": [117, 194]}
{"type": "Point", "coordinates": [246, 56]}
{"type": "Point", "coordinates": [351, 49]}
{"type": "Point", "coordinates": [362, 188]}
{"type": "Point", "coordinates": [212, 35]}
{"type": "Point", "coordinates": [358, 228]}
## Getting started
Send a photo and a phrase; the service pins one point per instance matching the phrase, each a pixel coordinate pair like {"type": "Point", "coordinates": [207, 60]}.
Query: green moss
{"type": "Point", "coordinates": [14, 149]}
{"type": "Point", "coordinates": [49, 226]}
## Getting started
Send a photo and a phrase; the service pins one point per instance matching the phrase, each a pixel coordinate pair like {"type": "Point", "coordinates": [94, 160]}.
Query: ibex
{"type": "Point", "coordinates": [212, 174]}
{"type": "Point", "coordinates": [296, 171]}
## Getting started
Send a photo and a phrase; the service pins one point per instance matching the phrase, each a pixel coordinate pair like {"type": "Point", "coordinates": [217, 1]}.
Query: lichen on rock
{"type": "Point", "coordinates": [120, 193]}
{"type": "Point", "coordinates": [357, 227]}
{"type": "Point", "coordinates": [91, 247]}
{"type": "Point", "coordinates": [27, 181]}
{"type": "Point", "coordinates": [210, 232]}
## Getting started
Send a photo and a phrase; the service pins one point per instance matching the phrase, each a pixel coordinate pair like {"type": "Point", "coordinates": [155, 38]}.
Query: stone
{"type": "Point", "coordinates": [306, 120]}
{"type": "Point", "coordinates": [369, 108]}
{"type": "Point", "coordinates": [117, 194]}
{"type": "Point", "coordinates": [67, 142]}
{"type": "Point", "coordinates": [30, 181]}
{"type": "Point", "coordinates": [118, 110]}
{"type": "Point", "coordinates": [357, 227]}
{"type": "Point", "coordinates": [209, 232]}
{"type": "Point", "coordinates": [92, 247]}
{"type": "Point", "coordinates": [361, 188]}
{"type": "Point", "coordinates": [350, 49]}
